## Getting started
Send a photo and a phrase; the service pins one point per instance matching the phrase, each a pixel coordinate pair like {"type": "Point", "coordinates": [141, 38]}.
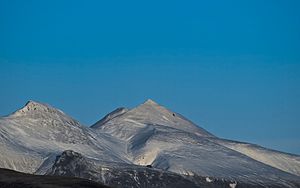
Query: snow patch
{"type": "Point", "coordinates": [233, 185]}
{"type": "Point", "coordinates": [208, 180]}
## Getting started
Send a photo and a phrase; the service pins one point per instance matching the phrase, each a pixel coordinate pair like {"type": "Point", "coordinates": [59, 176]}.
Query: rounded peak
{"type": "Point", "coordinates": [34, 107]}
{"type": "Point", "coordinates": [33, 103]}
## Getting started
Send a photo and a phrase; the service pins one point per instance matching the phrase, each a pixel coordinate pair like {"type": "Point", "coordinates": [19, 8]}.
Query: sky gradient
{"type": "Point", "coordinates": [231, 67]}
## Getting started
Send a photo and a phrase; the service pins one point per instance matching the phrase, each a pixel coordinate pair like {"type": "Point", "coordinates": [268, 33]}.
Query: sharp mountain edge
{"type": "Point", "coordinates": [147, 146]}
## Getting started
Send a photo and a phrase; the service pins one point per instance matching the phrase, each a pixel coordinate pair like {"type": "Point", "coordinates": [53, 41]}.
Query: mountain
{"type": "Point", "coordinates": [147, 144]}
{"type": "Point", "coordinates": [168, 141]}
{"type": "Point", "coordinates": [38, 131]}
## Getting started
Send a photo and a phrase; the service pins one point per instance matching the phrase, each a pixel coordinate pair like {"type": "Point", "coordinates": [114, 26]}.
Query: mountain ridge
{"type": "Point", "coordinates": [147, 135]}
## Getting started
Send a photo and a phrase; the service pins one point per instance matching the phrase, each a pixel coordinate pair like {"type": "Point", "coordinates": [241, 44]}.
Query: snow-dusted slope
{"type": "Point", "coordinates": [117, 112]}
{"type": "Point", "coordinates": [166, 140]}
{"type": "Point", "coordinates": [283, 161]}
{"type": "Point", "coordinates": [30, 135]}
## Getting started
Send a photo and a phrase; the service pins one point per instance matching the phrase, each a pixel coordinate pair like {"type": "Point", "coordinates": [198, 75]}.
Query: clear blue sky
{"type": "Point", "coordinates": [233, 67]}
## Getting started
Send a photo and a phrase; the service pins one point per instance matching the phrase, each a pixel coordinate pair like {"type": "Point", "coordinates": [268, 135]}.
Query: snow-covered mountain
{"type": "Point", "coordinates": [38, 131]}
{"type": "Point", "coordinates": [125, 141]}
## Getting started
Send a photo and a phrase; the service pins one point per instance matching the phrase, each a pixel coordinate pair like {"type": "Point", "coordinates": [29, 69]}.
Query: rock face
{"type": "Point", "coordinates": [117, 149]}
{"type": "Point", "coordinates": [74, 164]}
{"type": "Point", "coordinates": [71, 163]}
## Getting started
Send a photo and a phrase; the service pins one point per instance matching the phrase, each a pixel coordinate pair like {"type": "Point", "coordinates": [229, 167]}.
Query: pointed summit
{"type": "Point", "coordinates": [147, 114]}
{"type": "Point", "coordinates": [150, 102]}
{"type": "Point", "coordinates": [32, 103]}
